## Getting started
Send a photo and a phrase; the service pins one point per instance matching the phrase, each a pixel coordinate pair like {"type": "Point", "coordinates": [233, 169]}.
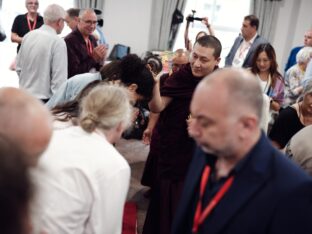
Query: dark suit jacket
{"type": "Point", "coordinates": [292, 57]}
{"type": "Point", "coordinates": [248, 60]}
{"type": "Point", "coordinates": [269, 194]}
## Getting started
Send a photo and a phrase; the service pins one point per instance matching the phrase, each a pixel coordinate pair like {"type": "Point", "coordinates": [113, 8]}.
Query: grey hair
{"type": "Point", "coordinates": [53, 13]}
{"type": "Point", "coordinates": [304, 55]}
{"type": "Point", "coordinates": [28, 0]}
{"type": "Point", "coordinates": [83, 11]}
{"type": "Point", "coordinates": [307, 88]}
{"type": "Point", "coordinates": [105, 107]}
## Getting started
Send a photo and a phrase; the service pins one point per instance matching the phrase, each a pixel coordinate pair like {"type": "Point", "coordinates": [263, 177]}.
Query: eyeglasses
{"type": "Point", "coordinates": [90, 22]}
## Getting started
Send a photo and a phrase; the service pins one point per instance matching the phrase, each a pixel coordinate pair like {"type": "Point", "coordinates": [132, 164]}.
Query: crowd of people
{"type": "Point", "coordinates": [229, 147]}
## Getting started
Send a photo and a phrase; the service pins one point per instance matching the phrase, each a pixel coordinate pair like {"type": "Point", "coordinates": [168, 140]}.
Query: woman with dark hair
{"type": "Point", "coordinates": [130, 71]}
{"type": "Point", "coordinates": [264, 66]}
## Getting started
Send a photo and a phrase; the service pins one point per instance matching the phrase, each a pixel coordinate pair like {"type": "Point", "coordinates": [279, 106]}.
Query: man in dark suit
{"type": "Point", "coordinates": [237, 182]}
{"type": "Point", "coordinates": [245, 44]}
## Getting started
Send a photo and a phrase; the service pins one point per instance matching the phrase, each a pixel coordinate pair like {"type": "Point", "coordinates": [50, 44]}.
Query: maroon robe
{"type": "Point", "coordinates": [171, 151]}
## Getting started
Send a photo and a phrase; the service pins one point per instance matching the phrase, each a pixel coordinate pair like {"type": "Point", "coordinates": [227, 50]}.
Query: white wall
{"type": "Point", "coordinates": [293, 19]}
{"type": "Point", "coordinates": [128, 23]}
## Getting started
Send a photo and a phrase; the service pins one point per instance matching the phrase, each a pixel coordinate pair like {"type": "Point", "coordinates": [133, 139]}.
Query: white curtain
{"type": "Point", "coordinates": [161, 22]}
{"type": "Point", "coordinates": [98, 4]}
{"type": "Point", "coordinates": [266, 11]}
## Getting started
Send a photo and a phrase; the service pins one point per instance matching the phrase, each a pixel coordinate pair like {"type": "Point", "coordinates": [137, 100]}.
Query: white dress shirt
{"type": "Point", "coordinates": [242, 52]}
{"type": "Point", "coordinates": [41, 62]}
{"type": "Point", "coordinates": [82, 184]}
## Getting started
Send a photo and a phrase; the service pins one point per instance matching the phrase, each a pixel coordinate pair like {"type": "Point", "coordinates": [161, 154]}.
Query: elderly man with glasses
{"type": "Point", "coordinates": [84, 55]}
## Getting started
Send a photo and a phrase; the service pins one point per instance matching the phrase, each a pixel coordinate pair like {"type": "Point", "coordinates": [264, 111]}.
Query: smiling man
{"type": "Point", "coordinates": [84, 55]}
{"type": "Point", "coordinates": [171, 146]}
{"type": "Point", "coordinates": [27, 22]}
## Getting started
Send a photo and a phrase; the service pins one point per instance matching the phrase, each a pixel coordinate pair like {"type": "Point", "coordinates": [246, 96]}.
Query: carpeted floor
{"type": "Point", "coordinates": [136, 153]}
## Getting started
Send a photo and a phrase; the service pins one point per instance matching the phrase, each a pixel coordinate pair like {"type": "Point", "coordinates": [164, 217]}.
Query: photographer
{"type": "Point", "coordinates": [189, 19]}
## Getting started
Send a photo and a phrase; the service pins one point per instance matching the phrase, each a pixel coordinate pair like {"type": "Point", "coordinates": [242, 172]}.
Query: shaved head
{"type": "Point", "coordinates": [25, 121]}
{"type": "Point", "coordinates": [242, 89]}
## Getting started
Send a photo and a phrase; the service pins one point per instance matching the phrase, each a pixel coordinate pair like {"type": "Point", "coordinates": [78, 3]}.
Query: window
{"type": "Point", "coordinates": [225, 16]}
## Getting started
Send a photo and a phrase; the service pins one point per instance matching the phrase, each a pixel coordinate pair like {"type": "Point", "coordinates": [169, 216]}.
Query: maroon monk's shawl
{"type": "Point", "coordinates": [180, 84]}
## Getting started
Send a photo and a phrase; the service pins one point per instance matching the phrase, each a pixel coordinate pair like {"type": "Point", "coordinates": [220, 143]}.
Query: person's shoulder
{"type": "Point", "coordinates": [261, 39]}
{"type": "Point", "coordinates": [21, 17]}
{"type": "Point", "coordinates": [86, 77]}
{"type": "Point", "coordinates": [295, 50]}
{"type": "Point", "coordinates": [289, 110]}
{"type": "Point", "coordinates": [289, 171]}
{"type": "Point", "coordinates": [239, 38]}
{"type": "Point", "coordinates": [70, 36]}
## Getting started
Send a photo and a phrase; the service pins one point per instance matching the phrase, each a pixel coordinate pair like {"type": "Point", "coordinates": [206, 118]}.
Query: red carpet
{"type": "Point", "coordinates": [129, 222]}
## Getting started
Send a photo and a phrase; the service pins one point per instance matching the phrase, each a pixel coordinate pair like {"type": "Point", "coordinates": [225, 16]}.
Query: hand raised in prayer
{"type": "Point", "coordinates": [99, 53]}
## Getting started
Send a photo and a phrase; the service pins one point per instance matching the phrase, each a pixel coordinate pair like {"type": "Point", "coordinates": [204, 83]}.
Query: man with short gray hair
{"type": "Point", "coordinates": [42, 59]}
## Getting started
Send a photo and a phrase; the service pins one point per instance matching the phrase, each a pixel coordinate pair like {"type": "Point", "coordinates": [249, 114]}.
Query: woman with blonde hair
{"type": "Point", "coordinates": [85, 180]}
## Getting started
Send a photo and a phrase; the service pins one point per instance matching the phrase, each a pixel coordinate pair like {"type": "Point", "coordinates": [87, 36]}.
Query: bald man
{"type": "Point", "coordinates": [84, 55]}
{"type": "Point", "coordinates": [25, 121]}
{"type": "Point", "coordinates": [237, 181]}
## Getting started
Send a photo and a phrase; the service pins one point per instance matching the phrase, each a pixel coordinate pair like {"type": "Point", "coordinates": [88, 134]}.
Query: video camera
{"type": "Point", "coordinates": [192, 18]}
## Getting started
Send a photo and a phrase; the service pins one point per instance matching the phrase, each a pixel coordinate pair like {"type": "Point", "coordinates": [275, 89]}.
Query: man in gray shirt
{"type": "Point", "coordinates": [42, 59]}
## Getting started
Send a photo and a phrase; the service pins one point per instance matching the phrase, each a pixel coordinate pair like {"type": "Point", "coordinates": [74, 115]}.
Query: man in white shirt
{"type": "Point", "coordinates": [42, 59]}
{"type": "Point", "coordinates": [242, 51]}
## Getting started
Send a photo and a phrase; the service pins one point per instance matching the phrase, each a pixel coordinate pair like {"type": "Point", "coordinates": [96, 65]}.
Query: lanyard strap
{"type": "Point", "coordinates": [200, 215]}
{"type": "Point", "coordinates": [29, 24]}
{"type": "Point", "coordinates": [89, 47]}
{"type": "Point", "coordinates": [244, 47]}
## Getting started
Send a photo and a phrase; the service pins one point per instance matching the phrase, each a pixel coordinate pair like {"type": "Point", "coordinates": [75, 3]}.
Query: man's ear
{"type": "Point", "coordinates": [249, 123]}
{"type": "Point", "coordinates": [133, 87]}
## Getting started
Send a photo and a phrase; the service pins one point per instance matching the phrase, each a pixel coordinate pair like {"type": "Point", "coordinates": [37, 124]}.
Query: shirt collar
{"type": "Point", "coordinates": [251, 41]}
{"type": "Point", "coordinates": [211, 160]}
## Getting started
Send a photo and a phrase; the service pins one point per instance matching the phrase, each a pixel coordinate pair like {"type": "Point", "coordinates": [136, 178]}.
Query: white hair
{"type": "Point", "coordinates": [304, 55]}
{"type": "Point", "coordinates": [53, 13]}
{"type": "Point", "coordinates": [83, 11]}
{"type": "Point", "coordinates": [105, 107]}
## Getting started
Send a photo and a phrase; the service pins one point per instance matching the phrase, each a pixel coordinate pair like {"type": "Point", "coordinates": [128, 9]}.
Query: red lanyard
{"type": "Point", "coordinates": [29, 25]}
{"type": "Point", "coordinates": [201, 215]}
{"type": "Point", "coordinates": [89, 47]}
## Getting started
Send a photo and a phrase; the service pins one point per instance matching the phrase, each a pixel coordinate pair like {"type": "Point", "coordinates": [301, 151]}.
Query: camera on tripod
{"type": "Point", "coordinates": [192, 17]}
